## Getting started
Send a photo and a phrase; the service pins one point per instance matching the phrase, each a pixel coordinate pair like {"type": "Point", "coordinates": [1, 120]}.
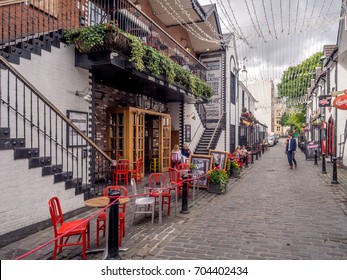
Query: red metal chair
{"type": "Point", "coordinates": [77, 228]}
{"type": "Point", "coordinates": [175, 160]}
{"type": "Point", "coordinates": [175, 179]}
{"type": "Point", "coordinates": [121, 173]}
{"type": "Point", "coordinates": [156, 181]}
{"type": "Point", "coordinates": [137, 172]}
{"type": "Point", "coordinates": [185, 167]}
{"type": "Point", "coordinates": [101, 220]}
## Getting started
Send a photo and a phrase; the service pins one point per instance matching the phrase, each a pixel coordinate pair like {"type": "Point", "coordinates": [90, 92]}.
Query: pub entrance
{"type": "Point", "coordinates": [136, 133]}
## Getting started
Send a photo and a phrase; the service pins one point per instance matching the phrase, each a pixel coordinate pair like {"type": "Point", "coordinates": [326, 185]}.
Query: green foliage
{"type": "Point", "coordinates": [235, 165]}
{"type": "Point", "coordinates": [92, 38]}
{"type": "Point", "coordinates": [152, 61]}
{"type": "Point", "coordinates": [85, 38]}
{"type": "Point", "coordinates": [294, 120]}
{"type": "Point", "coordinates": [296, 79]}
{"type": "Point", "coordinates": [138, 52]}
{"type": "Point", "coordinates": [219, 177]}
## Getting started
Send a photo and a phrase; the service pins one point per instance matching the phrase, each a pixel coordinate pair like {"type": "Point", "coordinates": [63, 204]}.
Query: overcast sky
{"type": "Point", "coordinates": [275, 34]}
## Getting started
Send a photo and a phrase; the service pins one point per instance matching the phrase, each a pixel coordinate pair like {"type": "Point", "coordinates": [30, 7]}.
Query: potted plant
{"type": "Point", "coordinates": [235, 169]}
{"type": "Point", "coordinates": [218, 180]}
{"type": "Point", "coordinates": [317, 124]}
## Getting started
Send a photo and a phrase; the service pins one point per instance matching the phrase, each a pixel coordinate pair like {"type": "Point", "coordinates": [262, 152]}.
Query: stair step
{"type": "Point", "coordinates": [5, 132]}
{"type": "Point", "coordinates": [39, 162]}
{"type": "Point", "coordinates": [11, 143]}
{"type": "Point", "coordinates": [21, 153]}
{"type": "Point", "coordinates": [81, 189]}
{"type": "Point", "coordinates": [55, 36]}
{"type": "Point", "coordinates": [30, 48]}
{"type": "Point", "coordinates": [14, 50]}
{"type": "Point", "coordinates": [10, 57]}
{"type": "Point", "coordinates": [73, 183]}
{"type": "Point", "coordinates": [52, 169]}
{"type": "Point", "coordinates": [61, 177]}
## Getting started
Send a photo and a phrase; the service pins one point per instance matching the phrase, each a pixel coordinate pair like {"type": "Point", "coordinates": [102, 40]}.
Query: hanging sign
{"type": "Point", "coordinates": [324, 101]}
{"type": "Point", "coordinates": [340, 102]}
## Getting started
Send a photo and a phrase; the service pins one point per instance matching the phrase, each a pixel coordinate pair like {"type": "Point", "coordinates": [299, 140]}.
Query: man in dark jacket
{"type": "Point", "coordinates": [290, 150]}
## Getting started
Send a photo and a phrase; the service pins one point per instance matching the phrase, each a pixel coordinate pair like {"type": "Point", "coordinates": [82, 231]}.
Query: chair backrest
{"type": "Point", "coordinates": [183, 166]}
{"type": "Point", "coordinates": [123, 191]}
{"type": "Point", "coordinates": [139, 164]}
{"type": "Point", "coordinates": [123, 164]}
{"type": "Point", "coordinates": [56, 214]}
{"type": "Point", "coordinates": [174, 175]}
{"type": "Point", "coordinates": [174, 157]}
{"type": "Point", "coordinates": [157, 180]}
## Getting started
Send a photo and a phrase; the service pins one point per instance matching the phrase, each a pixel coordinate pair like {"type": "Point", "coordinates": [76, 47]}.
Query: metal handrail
{"type": "Point", "coordinates": [10, 2]}
{"type": "Point", "coordinates": [215, 130]}
{"type": "Point", "coordinates": [55, 109]}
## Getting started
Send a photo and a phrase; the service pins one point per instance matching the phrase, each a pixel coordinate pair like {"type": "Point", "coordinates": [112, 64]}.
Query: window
{"type": "Point", "coordinates": [243, 99]}
{"type": "Point", "coordinates": [232, 88]}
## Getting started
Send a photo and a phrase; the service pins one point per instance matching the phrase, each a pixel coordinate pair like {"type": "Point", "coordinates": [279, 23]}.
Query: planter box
{"type": "Point", "coordinates": [234, 173]}
{"type": "Point", "coordinates": [214, 188]}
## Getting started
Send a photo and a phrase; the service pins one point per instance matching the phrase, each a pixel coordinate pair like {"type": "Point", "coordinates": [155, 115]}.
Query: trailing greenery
{"type": "Point", "coordinates": [219, 177]}
{"type": "Point", "coordinates": [296, 79]}
{"type": "Point", "coordinates": [92, 38]}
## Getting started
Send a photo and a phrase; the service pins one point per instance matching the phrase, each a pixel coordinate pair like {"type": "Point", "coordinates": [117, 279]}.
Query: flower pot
{"type": "Point", "coordinates": [215, 188]}
{"type": "Point", "coordinates": [234, 173]}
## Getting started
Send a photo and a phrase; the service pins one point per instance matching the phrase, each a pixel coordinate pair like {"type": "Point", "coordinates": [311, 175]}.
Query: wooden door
{"type": "Point", "coordinates": [165, 136]}
{"type": "Point", "coordinates": [138, 143]}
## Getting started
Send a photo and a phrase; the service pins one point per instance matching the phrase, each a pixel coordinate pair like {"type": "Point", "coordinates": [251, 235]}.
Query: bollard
{"type": "Point", "coordinates": [113, 250]}
{"type": "Point", "coordinates": [256, 155]}
{"type": "Point", "coordinates": [252, 161]}
{"type": "Point", "coordinates": [334, 181]}
{"type": "Point", "coordinates": [315, 158]}
{"type": "Point", "coordinates": [259, 152]}
{"type": "Point", "coordinates": [185, 195]}
{"type": "Point", "coordinates": [246, 160]}
{"type": "Point", "coordinates": [324, 171]}
{"type": "Point", "coordinates": [262, 149]}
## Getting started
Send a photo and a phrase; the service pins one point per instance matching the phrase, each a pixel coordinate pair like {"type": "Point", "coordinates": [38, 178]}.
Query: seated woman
{"type": "Point", "coordinates": [185, 152]}
{"type": "Point", "coordinates": [176, 156]}
{"type": "Point", "coordinates": [244, 153]}
{"type": "Point", "coordinates": [237, 153]}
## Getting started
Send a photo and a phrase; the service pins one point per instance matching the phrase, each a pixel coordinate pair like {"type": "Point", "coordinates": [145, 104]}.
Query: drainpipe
{"type": "Point", "coordinates": [334, 180]}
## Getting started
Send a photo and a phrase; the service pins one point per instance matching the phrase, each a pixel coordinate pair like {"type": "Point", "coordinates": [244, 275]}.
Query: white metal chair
{"type": "Point", "coordinates": [143, 205]}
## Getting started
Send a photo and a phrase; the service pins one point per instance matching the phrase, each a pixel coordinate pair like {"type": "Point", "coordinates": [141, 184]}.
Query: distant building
{"type": "Point", "coordinates": [278, 113]}
{"type": "Point", "coordinates": [263, 92]}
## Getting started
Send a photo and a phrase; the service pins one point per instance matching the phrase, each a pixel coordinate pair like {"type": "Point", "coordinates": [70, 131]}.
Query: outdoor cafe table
{"type": "Point", "coordinates": [102, 202]}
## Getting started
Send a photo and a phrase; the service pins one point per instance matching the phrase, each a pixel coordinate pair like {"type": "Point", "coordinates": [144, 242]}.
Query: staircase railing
{"type": "Point", "coordinates": [26, 25]}
{"type": "Point", "coordinates": [53, 140]}
{"type": "Point", "coordinates": [215, 130]}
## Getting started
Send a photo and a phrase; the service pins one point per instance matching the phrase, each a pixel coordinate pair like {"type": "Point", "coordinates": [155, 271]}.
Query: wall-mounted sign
{"type": "Point", "coordinates": [324, 101]}
{"type": "Point", "coordinates": [340, 102]}
{"type": "Point", "coordinates": [187, 133]}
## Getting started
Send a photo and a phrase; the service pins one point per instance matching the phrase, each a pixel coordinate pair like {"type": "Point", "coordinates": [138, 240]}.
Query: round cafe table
{"type": "Point", "coordinates": [101, 202]}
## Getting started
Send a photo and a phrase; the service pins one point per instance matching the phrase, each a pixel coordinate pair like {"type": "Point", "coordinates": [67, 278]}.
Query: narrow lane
{"type": "Point", "coordinates": [271, 213]}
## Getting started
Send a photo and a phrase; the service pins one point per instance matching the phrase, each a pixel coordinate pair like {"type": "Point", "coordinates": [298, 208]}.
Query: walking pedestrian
{"type": "Point", "coordinates": [290, 150]}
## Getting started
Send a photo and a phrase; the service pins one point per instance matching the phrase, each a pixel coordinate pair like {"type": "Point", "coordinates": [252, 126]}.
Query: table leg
{"type": "Point", "coordinates": [176, 200]}
{"type": "Point", "coordinates": [160, 208]}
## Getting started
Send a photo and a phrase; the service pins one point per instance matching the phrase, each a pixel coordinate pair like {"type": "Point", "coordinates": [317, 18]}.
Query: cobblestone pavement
{"type": "Point", "coordinates": [271, 212]}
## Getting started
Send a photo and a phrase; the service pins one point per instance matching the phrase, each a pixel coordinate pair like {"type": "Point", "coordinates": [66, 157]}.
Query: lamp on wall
{"type": "Point", "coordinates": [138, 6]}
{"type": "Point", "coordinates": [192, 115]}
{"type": "Point", "coordinates": [185, 44]}
{"type": "Point", "coordinates": [86, 94]}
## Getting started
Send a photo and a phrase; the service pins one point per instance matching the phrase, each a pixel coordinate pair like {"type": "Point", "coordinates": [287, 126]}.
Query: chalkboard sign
{"type": "Point", "coordinates": [203, 165]}
{"type": "Point", "coordinates": [311, 147]}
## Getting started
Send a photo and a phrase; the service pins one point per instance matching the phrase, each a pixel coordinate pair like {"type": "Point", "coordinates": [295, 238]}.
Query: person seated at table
{"type": "Point", "coordinates": [237, 152]}
{"type": "Point", "coordinates": [244, 153]}
{"type": "Point", "coordinates": [185, 152]}
{"type": "Point", "coordinates": [179, 157]}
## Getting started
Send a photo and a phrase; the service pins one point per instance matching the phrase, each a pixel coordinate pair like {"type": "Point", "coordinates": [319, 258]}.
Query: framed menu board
{"type": "Point", "coordinates": [80, 119]}
{"type": "Point", "coordinates": [311, 148]}
{"type": "Point", "coordinates": [203, 164]}
{"type": "Point", "coordinates": [219, 158]}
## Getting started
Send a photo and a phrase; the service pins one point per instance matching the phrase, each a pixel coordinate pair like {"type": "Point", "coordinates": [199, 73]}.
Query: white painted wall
{"type": "Point", "coordinates": [24, 193]}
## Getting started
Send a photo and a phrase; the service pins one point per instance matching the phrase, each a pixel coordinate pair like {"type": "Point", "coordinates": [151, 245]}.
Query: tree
{"type": "Point", "coordinates": [284, 119]}
{"type": "Point", "coordinates": [296, 79]}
